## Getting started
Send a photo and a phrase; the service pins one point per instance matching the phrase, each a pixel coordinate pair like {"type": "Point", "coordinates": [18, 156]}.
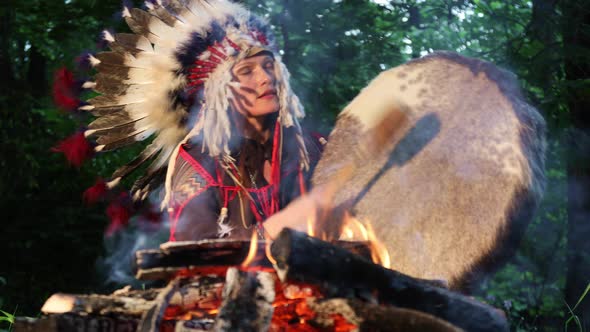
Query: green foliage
{"type": "Point", "coordinates": [572, 315]}
{"type": "Point", "coordinates": [333, 49]}
{"type": "Point", "coordinates": [530, 288]}
{"type": "Point", "coordinates": [7, 318]}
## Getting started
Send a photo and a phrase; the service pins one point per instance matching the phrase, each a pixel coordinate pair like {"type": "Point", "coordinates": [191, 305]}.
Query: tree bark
{"type": "Point", "coordinates": [37, 73]}
{"type": "Point", "coordinates": [6, 18]}
{"type": "Point", "coordinates": [576, 41]}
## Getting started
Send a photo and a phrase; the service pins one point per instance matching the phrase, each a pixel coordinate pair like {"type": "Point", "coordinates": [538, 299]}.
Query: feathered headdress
{"type": "Point", "coordinates": [171, 78]}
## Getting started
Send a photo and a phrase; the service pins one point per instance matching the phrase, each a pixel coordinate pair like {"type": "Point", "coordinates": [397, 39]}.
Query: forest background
{"type": "Point", "coordinates": [51, 242]}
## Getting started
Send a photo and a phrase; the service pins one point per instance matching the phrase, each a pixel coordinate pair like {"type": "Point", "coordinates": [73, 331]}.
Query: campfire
{"type": "Point", "coordinates": [294, 283]}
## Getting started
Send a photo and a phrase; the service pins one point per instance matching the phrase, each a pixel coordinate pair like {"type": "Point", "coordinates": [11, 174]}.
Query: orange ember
{"type": "Point", "coordinates": [293, 302]}
{"type": "Point", "coordinates": [291, 309]}
{"type": "Point", "coordinates": [292, 312]}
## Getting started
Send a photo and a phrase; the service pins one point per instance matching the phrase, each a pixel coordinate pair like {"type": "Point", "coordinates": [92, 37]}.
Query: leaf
{"type": "Point", "coordinates": [582, 297]}
{"type": "Point", "coordinates": [8, 317]}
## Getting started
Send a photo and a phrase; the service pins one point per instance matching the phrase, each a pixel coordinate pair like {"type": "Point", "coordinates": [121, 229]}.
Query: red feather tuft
{"type": "Point", "coordinates": [119, 213]}
{"type": "Point", "coordinates": [76, 148]}
{"type": "Point", "coordinates": [65, 91]}
{"type": "Point", "coordinates": [151, 220]}
{"type": "Point", "coordinates": [95, 193]}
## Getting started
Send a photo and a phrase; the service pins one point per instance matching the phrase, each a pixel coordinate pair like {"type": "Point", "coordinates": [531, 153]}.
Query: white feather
{"type": "Point", "coordinates": [88, 85]}
{"type": "Point", "coordinates": [93, 61]}
{"type": "Point", "coordinates": [86, 108]}
{"type": "Point", "coordinates": [144, 45]}
{"type": "Point", "coordinates": [106, 35]}
{"type": "Point", "coordinates": [89, 133]}
{"type": "Point", "coordinates": [113, 183]}
{"type": "Point", "coordinates": [126, 12]}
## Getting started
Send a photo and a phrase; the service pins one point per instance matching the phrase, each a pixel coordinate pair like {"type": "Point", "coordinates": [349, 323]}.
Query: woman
{"type": "Point", "coordinates": [215, 198]}
{"type": "Point", "coordinates": [206, 78]}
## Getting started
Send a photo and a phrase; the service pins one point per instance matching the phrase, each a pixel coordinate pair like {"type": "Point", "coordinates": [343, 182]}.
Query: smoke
{"type": "Point", "coordinates": [116, 267]}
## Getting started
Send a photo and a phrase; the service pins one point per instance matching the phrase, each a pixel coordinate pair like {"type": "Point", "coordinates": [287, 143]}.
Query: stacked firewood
{"type": "Point", "coordinates": [298, 283]}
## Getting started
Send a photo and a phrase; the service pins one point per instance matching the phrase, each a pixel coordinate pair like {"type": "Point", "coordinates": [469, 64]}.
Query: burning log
{"type": "Point", "coordinates": [247, 301]}
{"type": "Point", "coordinates": [373, 317]}
{"type": "Point", "coordinates": [128, 310]}
{"type": "Point", "coordinates": [152, 318]}
{"type": "Point", "coordinates": [81, 313]}
{"type": "Point", "coordinates": [175, 257]}
{"type": "Point", "coordinates": [133, 304]}
{"type": "Point", "coordinates": [339, 273]}
{"type": "Point", "coordinates": [186, 304]}
{"type": "Point", "coordinates": [72, 322]}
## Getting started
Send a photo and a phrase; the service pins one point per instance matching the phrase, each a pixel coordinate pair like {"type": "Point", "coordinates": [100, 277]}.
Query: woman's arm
{"type": "Point", "coordinates": [197, 219]}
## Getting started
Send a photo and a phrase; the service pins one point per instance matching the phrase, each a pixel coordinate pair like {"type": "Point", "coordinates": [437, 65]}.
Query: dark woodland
{"type": "Point", "coordinates": [52, 242]}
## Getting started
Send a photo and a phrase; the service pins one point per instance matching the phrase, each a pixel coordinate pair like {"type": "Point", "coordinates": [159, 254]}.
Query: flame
{"type": "Point", "coordinates": [348, 232]}
{"type": "Point", "coordinates": [379, 253]}
{"type": "Point", "coordinates": [251, 251]}
{"type": "Point", "coordinates": [353, 229]}
{"type": "Point", "coordinates": [311, 219]}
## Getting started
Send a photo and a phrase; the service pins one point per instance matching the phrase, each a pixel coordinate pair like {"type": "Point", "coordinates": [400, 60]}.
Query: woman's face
{"type": "Point", "coordinates": [257, 94]}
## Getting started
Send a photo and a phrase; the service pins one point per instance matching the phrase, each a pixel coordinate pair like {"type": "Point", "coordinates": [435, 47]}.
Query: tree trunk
{"type": "Point", "coordinates": [6, 18]}
{"type": "Point", "coordinates": [36, 73]}
{"type": "Point", "coordinates": [577, 68]}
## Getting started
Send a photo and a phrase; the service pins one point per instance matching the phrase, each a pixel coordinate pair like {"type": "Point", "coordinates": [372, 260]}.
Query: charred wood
{"type": "Point", "coordinates": [182, 296]}
{"type": "Point", "coordinates": [129, 304]}
{"type": "Point", "coordinates": [373, 317]}
{"type": "Point", "coordinates": [151, 319]}
{"type": "Point", "coordinates": [339, 273]}
{"type": "Point", "coordinates": [174, 257]}
{"type": "Point", "coordinates": [126, 310]}
{"type": "Point", "coordinates": [247, 302]}
{"type": "Point", "coordinates": [73, 322]}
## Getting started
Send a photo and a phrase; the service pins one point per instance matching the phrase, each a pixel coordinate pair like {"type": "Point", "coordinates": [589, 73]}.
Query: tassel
{"type": "Point", "coordinates": [95, 193]}
{"type": "Point", "coordinates": [76, 149]}
{"type": "Point", "coordinates": [223, 229]}
{"type": "Point", "coordinates": [65, 90]}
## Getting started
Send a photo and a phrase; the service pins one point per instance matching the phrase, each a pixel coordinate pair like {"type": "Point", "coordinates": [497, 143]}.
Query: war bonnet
{"type": "Point", "coordinates": [171, 78]}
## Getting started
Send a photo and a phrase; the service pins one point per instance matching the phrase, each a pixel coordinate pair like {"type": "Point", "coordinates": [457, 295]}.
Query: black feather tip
{"type": "Point", "coordinates": [189, 51]}
{"type": "Point", "coordinates": [106, 37]}
{"type": "Point", "coordinates": [82, 61]}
